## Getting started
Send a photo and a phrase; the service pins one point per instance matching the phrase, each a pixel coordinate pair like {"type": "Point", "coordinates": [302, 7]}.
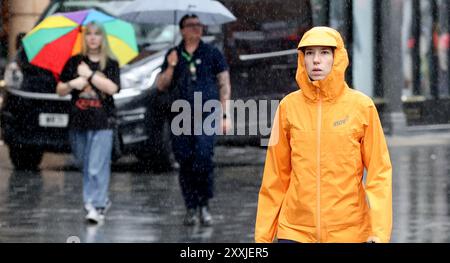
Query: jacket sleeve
{"type": "Point", "coordinates": [379, 177]}
{"type": "Point", "coordinates": [275, 181]}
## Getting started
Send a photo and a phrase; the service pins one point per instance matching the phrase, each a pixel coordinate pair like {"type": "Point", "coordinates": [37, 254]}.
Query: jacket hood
{"type": "Point", "coordinates": [334, 84]}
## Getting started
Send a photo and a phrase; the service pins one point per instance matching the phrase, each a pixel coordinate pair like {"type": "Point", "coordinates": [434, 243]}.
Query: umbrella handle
{"type": "Point", "coordinates": [175, 23]}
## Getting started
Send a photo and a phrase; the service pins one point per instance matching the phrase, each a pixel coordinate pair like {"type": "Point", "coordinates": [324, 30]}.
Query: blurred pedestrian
{"type": "Point", "coordinates": [195, 66]}
{"type": "Point", "coordinates": [323, 137]}
{"type": "Point", "coordinates": [33, 77]}
{"type": "Point", "coordinates": [19, 45]}
{"type": "Point", "coordinates": [92, 77]}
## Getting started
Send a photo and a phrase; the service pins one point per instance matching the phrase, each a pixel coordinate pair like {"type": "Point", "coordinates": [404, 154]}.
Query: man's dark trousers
{"type": "Point", "coordinates": [195, 153]}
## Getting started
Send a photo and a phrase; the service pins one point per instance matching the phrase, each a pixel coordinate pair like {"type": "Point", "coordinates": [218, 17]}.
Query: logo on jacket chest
{"type": "Point", "coordinates": [341, 122]}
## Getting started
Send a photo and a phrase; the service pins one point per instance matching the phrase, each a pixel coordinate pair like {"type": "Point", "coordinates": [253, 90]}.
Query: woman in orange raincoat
{"type": "Point", "coordinates": [323, 137]}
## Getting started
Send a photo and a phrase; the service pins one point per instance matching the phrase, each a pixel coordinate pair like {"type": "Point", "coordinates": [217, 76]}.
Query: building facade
{"type": "Point", "coordinates": [23, 16]}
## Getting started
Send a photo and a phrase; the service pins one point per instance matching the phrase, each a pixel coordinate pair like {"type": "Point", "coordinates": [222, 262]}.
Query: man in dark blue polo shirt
{"type": "Point", "coordinates": [194, 67]}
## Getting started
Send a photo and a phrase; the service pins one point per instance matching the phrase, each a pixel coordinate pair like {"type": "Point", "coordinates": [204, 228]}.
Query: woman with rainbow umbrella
{"type": "Point", "coordinates": [85, 53]}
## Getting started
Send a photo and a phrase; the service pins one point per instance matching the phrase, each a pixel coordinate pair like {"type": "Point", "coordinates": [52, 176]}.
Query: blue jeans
{"type": "Point", "coordinates": [92, 152]}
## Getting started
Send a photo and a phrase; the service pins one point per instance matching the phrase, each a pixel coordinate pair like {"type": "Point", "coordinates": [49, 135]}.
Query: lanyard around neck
{"type": "Point", "coordinates": [192, 68]}
{"type": "Point", "coordinates": [187, 56]}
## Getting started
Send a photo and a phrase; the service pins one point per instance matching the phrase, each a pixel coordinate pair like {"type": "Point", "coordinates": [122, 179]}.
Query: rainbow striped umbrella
{"type": "Point", "coordinates": [58, 37]}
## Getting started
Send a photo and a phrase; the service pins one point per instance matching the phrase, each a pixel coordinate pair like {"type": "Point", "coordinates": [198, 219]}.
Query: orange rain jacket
{"type": "Point", "coordinates": [323, 137]}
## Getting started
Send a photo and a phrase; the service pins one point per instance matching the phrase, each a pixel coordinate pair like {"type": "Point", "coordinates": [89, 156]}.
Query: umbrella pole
{"type": "Point", "coordinates": [174, 30]}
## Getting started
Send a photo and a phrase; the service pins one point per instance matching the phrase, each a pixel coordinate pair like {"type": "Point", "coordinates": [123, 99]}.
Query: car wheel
{"type": "Point", "coordinates": [25, 157]}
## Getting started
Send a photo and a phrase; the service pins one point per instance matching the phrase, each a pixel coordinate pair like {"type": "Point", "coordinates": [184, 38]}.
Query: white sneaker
{"type": "Point", "coordinates": [93, 216]}
{"type": "Point", "coordinates": [88, 207]}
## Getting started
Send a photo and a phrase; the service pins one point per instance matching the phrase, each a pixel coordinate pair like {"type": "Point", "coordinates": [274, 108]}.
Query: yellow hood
{"type": "Point", "coordinates": [334, 84]}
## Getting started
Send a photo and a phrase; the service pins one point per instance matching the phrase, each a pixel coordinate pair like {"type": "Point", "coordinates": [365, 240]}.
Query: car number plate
{"type": "Point", "coordinates": [53, 120]}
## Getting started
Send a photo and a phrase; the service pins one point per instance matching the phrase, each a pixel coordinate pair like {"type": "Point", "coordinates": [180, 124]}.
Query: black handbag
{"type": "Point", "coordinates": [173, 93]}
{"type": "Point", "coordinates": [166, 98]}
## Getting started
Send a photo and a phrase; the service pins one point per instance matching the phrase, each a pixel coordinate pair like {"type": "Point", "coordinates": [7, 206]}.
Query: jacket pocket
{"type": "Point", "coordinates": [299, 205]}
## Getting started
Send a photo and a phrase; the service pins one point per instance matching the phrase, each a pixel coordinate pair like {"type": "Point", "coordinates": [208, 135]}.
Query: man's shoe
{"type": "Point", "coordinates": [205, 216]}
{"type": "Point", "coordinates": [191, 217]}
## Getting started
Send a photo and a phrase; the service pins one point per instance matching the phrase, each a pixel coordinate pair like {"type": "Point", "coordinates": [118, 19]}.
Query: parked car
{"type": "Point", "coordinates": [34, 118]}
{"type": "Point", "coordinates": [260, 50]}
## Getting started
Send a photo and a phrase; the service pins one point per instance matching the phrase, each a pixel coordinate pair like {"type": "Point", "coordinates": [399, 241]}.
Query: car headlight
{"type": "Point", "coordinates": [13, 75]}
{"type": "Point", "coordinates": [133, 83]}
{"type": "Point", "coordinates": [139, 77]}
{"type": "Point", "coordinates": [142, 75]}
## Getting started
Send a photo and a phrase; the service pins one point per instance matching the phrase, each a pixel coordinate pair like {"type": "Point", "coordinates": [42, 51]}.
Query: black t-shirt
{"type": "Point", "coordinates": [89, 110]}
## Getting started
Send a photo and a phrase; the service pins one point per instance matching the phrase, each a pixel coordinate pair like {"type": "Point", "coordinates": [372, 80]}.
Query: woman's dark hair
{"type": "Point", "coordinates": [186, 17]}
{"type": "Point", "coordinates": [333, 49]}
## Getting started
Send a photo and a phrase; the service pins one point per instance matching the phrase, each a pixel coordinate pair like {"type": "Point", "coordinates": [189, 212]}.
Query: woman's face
{"type": "Point", "coordinates": [318, 62]}
{"type": "Point", "coordinates": [94, 38]}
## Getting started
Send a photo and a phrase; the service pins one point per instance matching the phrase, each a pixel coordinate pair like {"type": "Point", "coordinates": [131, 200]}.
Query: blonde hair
{"type": "Point", "coordinates": [105, 51]}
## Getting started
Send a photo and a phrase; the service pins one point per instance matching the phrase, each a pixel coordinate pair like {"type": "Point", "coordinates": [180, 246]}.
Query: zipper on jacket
{"type": "Point", "coordinates": [319, 127]}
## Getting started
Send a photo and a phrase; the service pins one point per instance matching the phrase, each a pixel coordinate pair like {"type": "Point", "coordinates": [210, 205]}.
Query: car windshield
{"type": "Point", "coordinates": [148, 36]}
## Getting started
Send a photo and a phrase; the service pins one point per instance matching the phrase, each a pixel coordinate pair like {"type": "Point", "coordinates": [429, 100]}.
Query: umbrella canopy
{"type": "Point", "coordinates": [210, 12]}
{"type": "Point", "coordinates": [58, 37]}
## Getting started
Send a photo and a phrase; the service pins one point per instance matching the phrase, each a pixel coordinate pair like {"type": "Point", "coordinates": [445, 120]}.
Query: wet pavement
{"type": "Point", "coordinates": [46, 206]}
